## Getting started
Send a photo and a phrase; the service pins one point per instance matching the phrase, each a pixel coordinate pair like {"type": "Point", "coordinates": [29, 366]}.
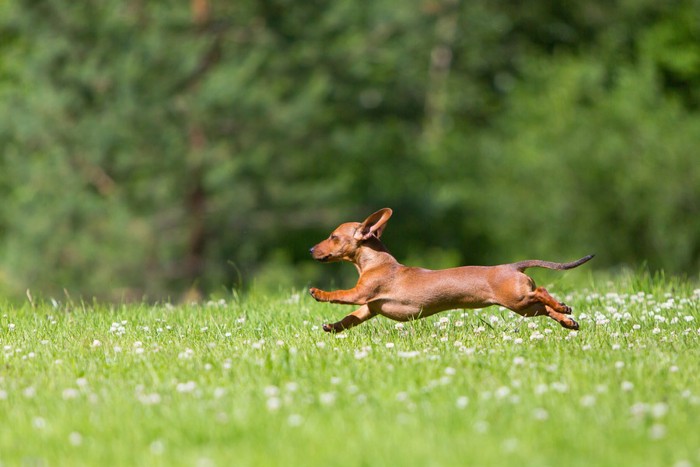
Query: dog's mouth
{"type": "Point", "coordinates": [319, 257]}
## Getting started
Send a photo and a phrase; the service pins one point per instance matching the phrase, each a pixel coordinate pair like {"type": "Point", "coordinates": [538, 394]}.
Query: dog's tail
{"type": "Point", "coordinates": [536, 263]}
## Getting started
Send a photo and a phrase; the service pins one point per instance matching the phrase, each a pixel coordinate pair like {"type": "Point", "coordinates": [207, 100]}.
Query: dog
{"type": "Point", "coordinates": [404, 293]}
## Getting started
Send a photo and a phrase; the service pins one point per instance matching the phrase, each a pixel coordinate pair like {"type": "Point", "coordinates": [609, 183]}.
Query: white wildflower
{"type": "Point", "coordinates": [274, 403]}
{"type": "Point", "coordinates": [657, 431]}
{"type": "Point", "coordinates": [70, 393]}
{"type": "Point", "coordinates": [75, 438]}
{"type": "Point", "coordinates": [327, 398]}
{"type": "Point", "coordinates": [295, 420]}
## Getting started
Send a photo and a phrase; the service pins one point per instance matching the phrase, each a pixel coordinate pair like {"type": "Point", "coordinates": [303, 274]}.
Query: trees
{"type": "Point", "coordinates": [147, 148]}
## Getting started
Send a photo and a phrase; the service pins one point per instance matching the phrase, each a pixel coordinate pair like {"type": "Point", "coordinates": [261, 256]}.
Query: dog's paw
{"type": "Point", "coordinates": [566, 309]}
{"type": "Point", "coordinates": [328, 328]}
{"type": "Point", "coordinates": [571, 324]}
{"type": "Point", "coordinates": [315, 293]}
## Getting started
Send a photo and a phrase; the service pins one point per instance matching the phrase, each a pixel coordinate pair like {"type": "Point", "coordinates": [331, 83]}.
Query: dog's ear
{"type": "Point", "coordinates": [374, 225]}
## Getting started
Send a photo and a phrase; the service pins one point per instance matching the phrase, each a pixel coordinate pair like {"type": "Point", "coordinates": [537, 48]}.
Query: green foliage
{"type": "Point", "coordinates": [148, 148]}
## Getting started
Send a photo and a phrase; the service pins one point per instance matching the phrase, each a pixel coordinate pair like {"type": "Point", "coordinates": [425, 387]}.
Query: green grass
{"type": "Point", "coordinates": [254, 381]}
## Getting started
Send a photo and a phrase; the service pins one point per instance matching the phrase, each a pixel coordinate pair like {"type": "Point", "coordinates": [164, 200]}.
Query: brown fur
{"type": "Point", "coordinates": [403, 293]}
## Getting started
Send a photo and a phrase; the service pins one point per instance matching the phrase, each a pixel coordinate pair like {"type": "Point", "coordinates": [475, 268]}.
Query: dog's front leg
{"type": "Point", "coordinates": [358, 316]}
{"type": "Point", "coordinates": [354, 296]}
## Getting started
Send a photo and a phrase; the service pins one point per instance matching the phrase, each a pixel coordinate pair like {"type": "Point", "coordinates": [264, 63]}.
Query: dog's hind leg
{"type": "Point", "coordinates": [541, 295]}
{"type": "Point", "coordinates": [358, 316]}
{"type": "Point", "coordinates": [540, 309]}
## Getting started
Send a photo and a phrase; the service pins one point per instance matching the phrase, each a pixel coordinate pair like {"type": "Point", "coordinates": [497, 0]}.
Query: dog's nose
{"type": "Point", "coordinates": [311, 250]}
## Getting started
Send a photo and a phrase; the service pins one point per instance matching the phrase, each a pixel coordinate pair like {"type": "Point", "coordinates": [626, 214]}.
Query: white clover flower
{"type": "Point", "coordinates": [360, 354]}
{"type": "Point", "coordinates": [639, 409]}
{"type": "Point", "coordinates": [149, 399]}
{"type": "Point", "coordinates": [540, 414]}
{"type": "Point", "coordinates": [70, 393]}
{"type": "Point", "coordinates": [481, 426]}
{"type": "Point", "coordinates": [619, 365]}
{"type": "Point", "coordinates": [450, 371]}
{"type": "Point", "coordinates": [658, 410]}
{"type": "Point", "coordinates": [510, 444]}
{"type": "Point", "coordinates": [560, 387]}
{"type": "Point", "coordinates": [291, 386]}
{"type": "Point", "coordinates": [75, 438]}
{"type": "Point", "coordinates": [327, 398]}
{"type": "Point", "coordinates": [517, 361]}
{"type": "Point", "coordinates": [295, 420]}
{"type": "Point", "coordinates": [462, 402]}
{"type": "Point", "coordinates": [273, 403]}
{"type": "Point", "coordinates": [502, 392]}
{"type": "Point", "coordinates": [187, 387]}
{"type": "Point", "coordinates": [657, 431]}
{"type": "Point", "coordinates": [627, 386]}
{"type": "Point", "coordinates": [536, 336]}
{"type": "Point", "coordinates": [588, 401]}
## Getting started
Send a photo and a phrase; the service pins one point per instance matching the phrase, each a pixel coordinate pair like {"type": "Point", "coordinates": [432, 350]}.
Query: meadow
{"type": "Point", "coordinates": [253, 380]}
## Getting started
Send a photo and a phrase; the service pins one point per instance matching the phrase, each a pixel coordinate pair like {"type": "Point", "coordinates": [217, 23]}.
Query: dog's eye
{"type": "Point", "coordinates": [334, 237]}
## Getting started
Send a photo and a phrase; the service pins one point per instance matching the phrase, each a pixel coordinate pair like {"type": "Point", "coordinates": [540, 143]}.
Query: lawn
{"type": "Point", "coordinates": [253, 380]}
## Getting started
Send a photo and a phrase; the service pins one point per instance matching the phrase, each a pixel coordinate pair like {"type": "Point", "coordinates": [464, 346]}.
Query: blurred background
{"type": "Point", "coordinates": [151, 148]}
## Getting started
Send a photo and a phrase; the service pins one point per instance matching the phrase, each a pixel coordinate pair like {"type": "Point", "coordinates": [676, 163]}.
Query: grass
{"type": "Point", "coordinates": [254, 381]}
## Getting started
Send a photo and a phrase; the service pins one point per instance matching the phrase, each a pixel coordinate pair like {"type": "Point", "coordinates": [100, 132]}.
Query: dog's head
{"type": "Point", "coordinates": [345, 240]}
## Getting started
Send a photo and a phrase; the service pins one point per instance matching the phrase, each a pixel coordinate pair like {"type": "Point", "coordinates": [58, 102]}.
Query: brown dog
{"type": "Point", "coordinates": [402, 293]}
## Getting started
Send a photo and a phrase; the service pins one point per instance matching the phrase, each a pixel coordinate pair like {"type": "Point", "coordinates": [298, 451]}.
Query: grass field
{"type": "Point", "coordinates": [254, 381]}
